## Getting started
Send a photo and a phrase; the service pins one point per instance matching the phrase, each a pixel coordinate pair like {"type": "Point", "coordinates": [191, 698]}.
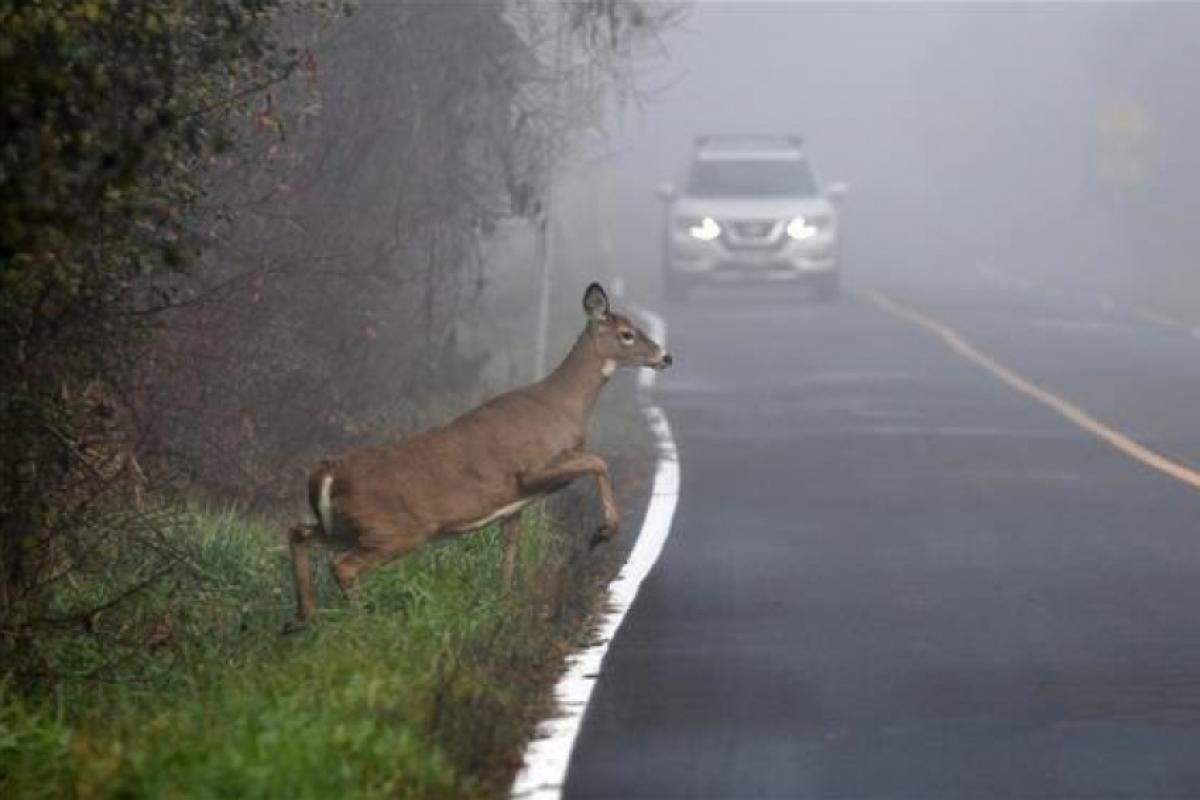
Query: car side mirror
{"type": "Point", "coordinates": [837, 190]}
{"type": "Point", "coordinates": [665, 192]}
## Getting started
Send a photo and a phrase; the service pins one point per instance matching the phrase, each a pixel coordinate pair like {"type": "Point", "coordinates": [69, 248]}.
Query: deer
{"type": "Point", "coordinates": [380, 503]}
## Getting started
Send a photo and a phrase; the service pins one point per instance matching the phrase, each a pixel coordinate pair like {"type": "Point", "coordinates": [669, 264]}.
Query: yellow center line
{"type": "Point", "coordinates": [1161, 319]}
{"type": "Point", "coordinates": [1072, 412]}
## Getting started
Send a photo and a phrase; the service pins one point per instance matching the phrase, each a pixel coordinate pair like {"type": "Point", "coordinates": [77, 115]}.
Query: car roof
{"type": "Point", "coordinates": [749, 155]}
{"type": "Point", "coordinates": [728, 147]}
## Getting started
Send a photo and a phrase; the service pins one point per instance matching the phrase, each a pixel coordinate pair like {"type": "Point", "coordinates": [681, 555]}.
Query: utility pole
{"type": "Point", "coordinates": [546, 227]}
{"type": "Point", "coordinates": [545, 238]}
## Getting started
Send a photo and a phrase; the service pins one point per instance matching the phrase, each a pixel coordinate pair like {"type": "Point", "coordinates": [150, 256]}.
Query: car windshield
{"type": "Point", "coordinates": [752, 178]}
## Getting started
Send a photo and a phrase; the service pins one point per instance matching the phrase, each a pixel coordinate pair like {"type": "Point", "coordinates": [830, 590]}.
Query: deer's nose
{"type": "Point", "coordinates": [666, 360]}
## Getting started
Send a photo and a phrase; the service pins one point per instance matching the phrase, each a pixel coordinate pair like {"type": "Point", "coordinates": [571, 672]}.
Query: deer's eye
{"type": "Point", "coordinates": [627, 337]}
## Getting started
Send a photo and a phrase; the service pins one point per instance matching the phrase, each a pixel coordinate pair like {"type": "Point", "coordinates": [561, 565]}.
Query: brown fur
{"type": "Point", "coordinates": [516, 448]}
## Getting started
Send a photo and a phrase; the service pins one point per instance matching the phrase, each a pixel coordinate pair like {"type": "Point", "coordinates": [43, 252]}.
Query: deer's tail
{"type": "Point", "coordinates": [320, 490]}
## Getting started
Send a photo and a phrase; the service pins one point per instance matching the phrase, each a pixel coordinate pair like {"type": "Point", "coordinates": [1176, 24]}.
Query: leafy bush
{"type": "Point", "coordinates": [235, 234]}
{"type": "Point", "coordinates": [109, 109]}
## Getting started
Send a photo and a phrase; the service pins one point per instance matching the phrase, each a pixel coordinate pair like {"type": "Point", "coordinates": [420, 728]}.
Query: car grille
{"type": "Point", "coordinates": [756, 229]}
{"type": "Point", "coordinates": [748, 267]}
{"type": "Point", "coordinates": [752, 234]}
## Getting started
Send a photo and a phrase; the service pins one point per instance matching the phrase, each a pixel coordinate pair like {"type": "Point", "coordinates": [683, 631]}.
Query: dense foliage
{"type": "Point", "coordinates": [108, 111]}
{"type": "Point", "coordinates": [236, 234]}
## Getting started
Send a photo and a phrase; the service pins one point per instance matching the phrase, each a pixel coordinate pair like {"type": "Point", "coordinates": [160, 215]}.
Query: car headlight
{"type": "Point", "coordinates": [705, 229]}
{"type": "Point", "coordinates": [801, 228]}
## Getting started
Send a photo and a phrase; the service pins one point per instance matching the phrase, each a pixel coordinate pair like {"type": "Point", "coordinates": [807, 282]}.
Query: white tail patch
{"type": "Point", "coordinates": [325, 505]}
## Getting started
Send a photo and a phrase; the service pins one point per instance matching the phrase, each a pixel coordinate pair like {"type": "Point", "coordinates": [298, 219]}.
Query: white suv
{"type": "Point", "coordinates": [751, 211]}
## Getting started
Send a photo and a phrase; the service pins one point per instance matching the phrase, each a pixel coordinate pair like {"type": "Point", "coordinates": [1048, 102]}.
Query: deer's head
{"type": "Point", "coordinates": [618, 340]}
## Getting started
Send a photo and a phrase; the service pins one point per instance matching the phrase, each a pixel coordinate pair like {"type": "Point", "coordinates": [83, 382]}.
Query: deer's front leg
{"type": "Point", "coordinates": [511, 528]}
{"type": "Point", "coordinates": [568, 468]}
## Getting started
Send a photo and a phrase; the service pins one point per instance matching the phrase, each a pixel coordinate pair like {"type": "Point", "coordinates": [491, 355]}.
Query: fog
{"type": "Point", "coordinates": [279, 276]}
{"type": "Point", "coordinates": [1008, 134]}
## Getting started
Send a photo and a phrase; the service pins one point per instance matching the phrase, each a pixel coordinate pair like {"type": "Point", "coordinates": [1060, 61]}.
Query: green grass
{"type": "Point", "coordinates": [427, 689]}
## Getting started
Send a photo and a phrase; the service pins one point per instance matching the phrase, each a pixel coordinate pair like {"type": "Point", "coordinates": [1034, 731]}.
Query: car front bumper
{"type": "Point", "coordinates": [696, 261]}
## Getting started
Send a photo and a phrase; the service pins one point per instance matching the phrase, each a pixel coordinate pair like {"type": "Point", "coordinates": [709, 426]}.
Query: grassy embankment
{"type": "Point", "coordinates": [429, 688]}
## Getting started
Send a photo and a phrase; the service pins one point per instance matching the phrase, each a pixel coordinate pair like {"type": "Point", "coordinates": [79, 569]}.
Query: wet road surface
{"type": "Point", "coordinates": [891, 576]}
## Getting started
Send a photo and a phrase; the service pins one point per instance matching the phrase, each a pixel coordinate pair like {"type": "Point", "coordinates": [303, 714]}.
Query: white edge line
{"type": "Point", "coordinates": [549, 754]}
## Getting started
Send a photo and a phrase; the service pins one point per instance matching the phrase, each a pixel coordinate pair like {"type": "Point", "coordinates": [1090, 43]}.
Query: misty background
{"type": "Point", "coordinates": [239, 236]}
{"type": "Point", "coordinates": [1054, 140]}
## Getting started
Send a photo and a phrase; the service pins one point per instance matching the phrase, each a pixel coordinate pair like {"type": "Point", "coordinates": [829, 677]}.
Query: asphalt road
{"type": "Point", "coordinates": [892, 576]}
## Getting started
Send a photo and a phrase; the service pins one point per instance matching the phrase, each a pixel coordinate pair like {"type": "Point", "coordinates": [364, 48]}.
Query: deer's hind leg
{"type": "Point", "coordinates": [299, 539]}
{"type": "Point", "coordinates": [348, 566]}
{"type": "Point", "coordinates": [372, 550]}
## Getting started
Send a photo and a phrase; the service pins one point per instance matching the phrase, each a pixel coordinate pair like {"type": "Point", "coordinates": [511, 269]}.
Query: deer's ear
{"type": "Point", "coordinates": [595, 302]}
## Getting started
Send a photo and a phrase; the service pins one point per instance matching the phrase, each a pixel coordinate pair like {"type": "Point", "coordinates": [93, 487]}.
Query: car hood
{"type": "Point", "coordinates": [751, 207]}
